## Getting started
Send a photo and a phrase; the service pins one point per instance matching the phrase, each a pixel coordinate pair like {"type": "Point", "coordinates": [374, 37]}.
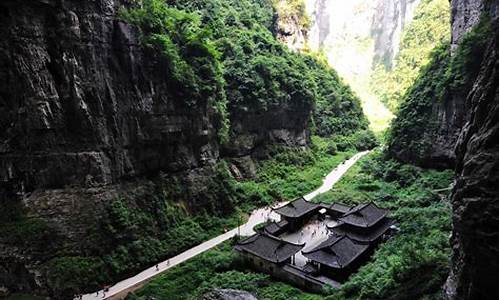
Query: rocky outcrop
{"type": "Point", "coordinates": [461, 132]}
{"type": "Point", "coordinates": [290, 28]}
{"type": "Point", "coordinates": [426, 130]}
{"type": "Point", "coordinates": [83, 103]}
{"type": "Point", "coordinates": [465, 15]}
{"type": "Point", "coordinates": [474, 268]}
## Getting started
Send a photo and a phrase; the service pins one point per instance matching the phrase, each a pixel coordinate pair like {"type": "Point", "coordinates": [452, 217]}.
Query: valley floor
{"type": "Point", "coordinates": [413, 263]}
{"type": "Point", "coordinates": [258, 216]}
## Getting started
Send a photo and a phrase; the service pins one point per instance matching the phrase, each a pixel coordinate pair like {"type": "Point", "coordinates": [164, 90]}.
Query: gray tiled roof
{"type": "Point", "coordinates": [336, 252]}
{"type": "Point", "coordinates": [342, 208]}
{"type": "Point", "coordinates": [297, 208]}
{"type": "Point", "coordinates": [274, 227]}
{"type": "Point", "coordinates": [368, 234]}
{"type": "Point", "coordinates": [268, 247]}
{"type": "Point", "coordinates": [364, 215]}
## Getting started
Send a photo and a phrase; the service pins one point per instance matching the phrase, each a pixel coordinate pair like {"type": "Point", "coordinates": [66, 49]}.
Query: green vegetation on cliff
{"type": "Point", "coordinates": [221, 53]}
{"type": "Point", "coordinates": [152, 220]}
{"type": "Point", "coordinates": [416, 121]}
{"type": "Point", "coordinates": [203, 39]}
{"type": "Point", "coordinates": [414, 129]}
{"type": "Point", "coordinates": [428, 29]}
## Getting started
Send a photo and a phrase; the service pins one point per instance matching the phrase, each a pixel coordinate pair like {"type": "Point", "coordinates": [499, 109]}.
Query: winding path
{"type": "Point", "coordinates": [122, 288]}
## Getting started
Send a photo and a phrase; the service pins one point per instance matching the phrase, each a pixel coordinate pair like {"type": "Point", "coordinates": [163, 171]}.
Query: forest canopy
{"type": "Point", "coordinates": [225, 51]}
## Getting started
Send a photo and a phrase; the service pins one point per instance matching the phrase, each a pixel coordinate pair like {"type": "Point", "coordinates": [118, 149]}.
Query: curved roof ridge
{"type": "Point", "coordinates": [324, 244]}
{"type": "Point", "coordinates": [249, 239]}
{"type": "Point", "coordinates": [357, 208]}
{"type": "Point", "coordinates": [280, 239]}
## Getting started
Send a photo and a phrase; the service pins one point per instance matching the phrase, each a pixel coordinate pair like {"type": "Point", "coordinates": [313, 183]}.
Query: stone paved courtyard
{"type": "Point", "coordinates": [313, 233]}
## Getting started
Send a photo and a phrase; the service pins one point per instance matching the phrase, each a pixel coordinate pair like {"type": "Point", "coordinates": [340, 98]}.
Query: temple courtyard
{"type": "Point", "coordinates": [315, 245]}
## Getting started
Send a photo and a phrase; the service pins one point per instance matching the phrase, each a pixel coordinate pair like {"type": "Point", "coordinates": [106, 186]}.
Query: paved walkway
{"type": "Point", "coordinates": [122, 288]}
{"type": "Point", "coordinates": [335, 175]}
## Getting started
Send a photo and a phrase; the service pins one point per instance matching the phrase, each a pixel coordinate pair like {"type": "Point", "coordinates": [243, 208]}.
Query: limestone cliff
{"type": "Point", "coordinates": [89, 115]}
{"type": "Point", "coordinates": [434, 113]}
{"type": "Point", "coordinates": [387, 27]}
{"type": "Point", "coordinates": [474, 268]}
{"type": "Point", "coordinates": [450, 120]}
{"type": "Point", "coordinates": [335, 23]}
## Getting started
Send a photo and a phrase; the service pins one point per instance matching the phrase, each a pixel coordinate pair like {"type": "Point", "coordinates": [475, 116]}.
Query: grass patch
{"type": "Point", "coordinates": [217, 268]}
{"type": "Point", "coordinates": [293, 172]}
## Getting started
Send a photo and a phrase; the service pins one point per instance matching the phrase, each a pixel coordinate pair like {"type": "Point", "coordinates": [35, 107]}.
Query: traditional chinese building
{"type": "Point", "coordinates": [336, 210]}
{"type": "Point", "coordinates": [365, 223]}
{"type": "Point", "coordinates": [276, 228]}
{"type": "Point", "coordinates": [297, 212]}
{"type": "Point", "coordinates": [274, 256]}
{"type": "Point", "coordinates": [337, 257]}
{"type": "Point", "coordinates": [355, 232]}
{"type": "Point", "coordinates": [266, 252]}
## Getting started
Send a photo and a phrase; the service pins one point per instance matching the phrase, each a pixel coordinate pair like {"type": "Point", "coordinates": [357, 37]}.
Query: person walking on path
{"type": "Point", "coordinates": [157, 269]}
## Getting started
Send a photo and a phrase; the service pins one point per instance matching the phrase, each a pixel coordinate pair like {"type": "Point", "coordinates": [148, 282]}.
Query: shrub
{"type": "Point", "coordinates": [68, 275]}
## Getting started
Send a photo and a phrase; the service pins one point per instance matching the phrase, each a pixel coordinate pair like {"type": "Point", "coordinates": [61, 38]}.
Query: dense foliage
{"type": "Point", "coordinates": [428, 29]}
{"type": "Point", "coordinates": [217, 268]}
{"type": "Point", "coordinates": [193, 62]}
{"type": "Point", "coordinates": [291, 172]}
{"type": "Point", "coordinates": [411, 265]}
{"type": "Point", "coordinates": [202, 39]}
{"type": "Point", "coordinates": [416, 122]}
{"type": "Point", "coordinates": [145, 224]}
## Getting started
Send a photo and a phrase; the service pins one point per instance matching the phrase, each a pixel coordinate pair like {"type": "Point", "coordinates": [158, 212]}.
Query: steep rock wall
{"type": "Point", "coordinates": [456, 124]}
{"type": "Point", "coordinates": [426, 130]}
{"type": "Point", "coordinates": [382, 21]}
{"type": "Point", "coordinates": [82, 102]}
{"type": "Point", "coordinates": [387, 27]}
{"type": "Point", "coordinates": [474, 267]}
{"type": "Point", "coordinates": [86, 113]}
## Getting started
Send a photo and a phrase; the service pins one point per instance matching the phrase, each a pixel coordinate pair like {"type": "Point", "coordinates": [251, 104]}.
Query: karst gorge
{"type": "Point", "coordinates": [248, 149]}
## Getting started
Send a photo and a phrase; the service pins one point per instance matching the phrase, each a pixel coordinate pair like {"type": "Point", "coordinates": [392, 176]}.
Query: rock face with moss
{"type": "Point", "coordinates": [434, 110]}
{"type": "Point", "coordinates": [449, 118]}
{"type": "Point", "coordinates": [474, 273]}
{"type": "Point", "coordinates": [115, 119]}
{"type": "Point", "coordinates": [84, 104]}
